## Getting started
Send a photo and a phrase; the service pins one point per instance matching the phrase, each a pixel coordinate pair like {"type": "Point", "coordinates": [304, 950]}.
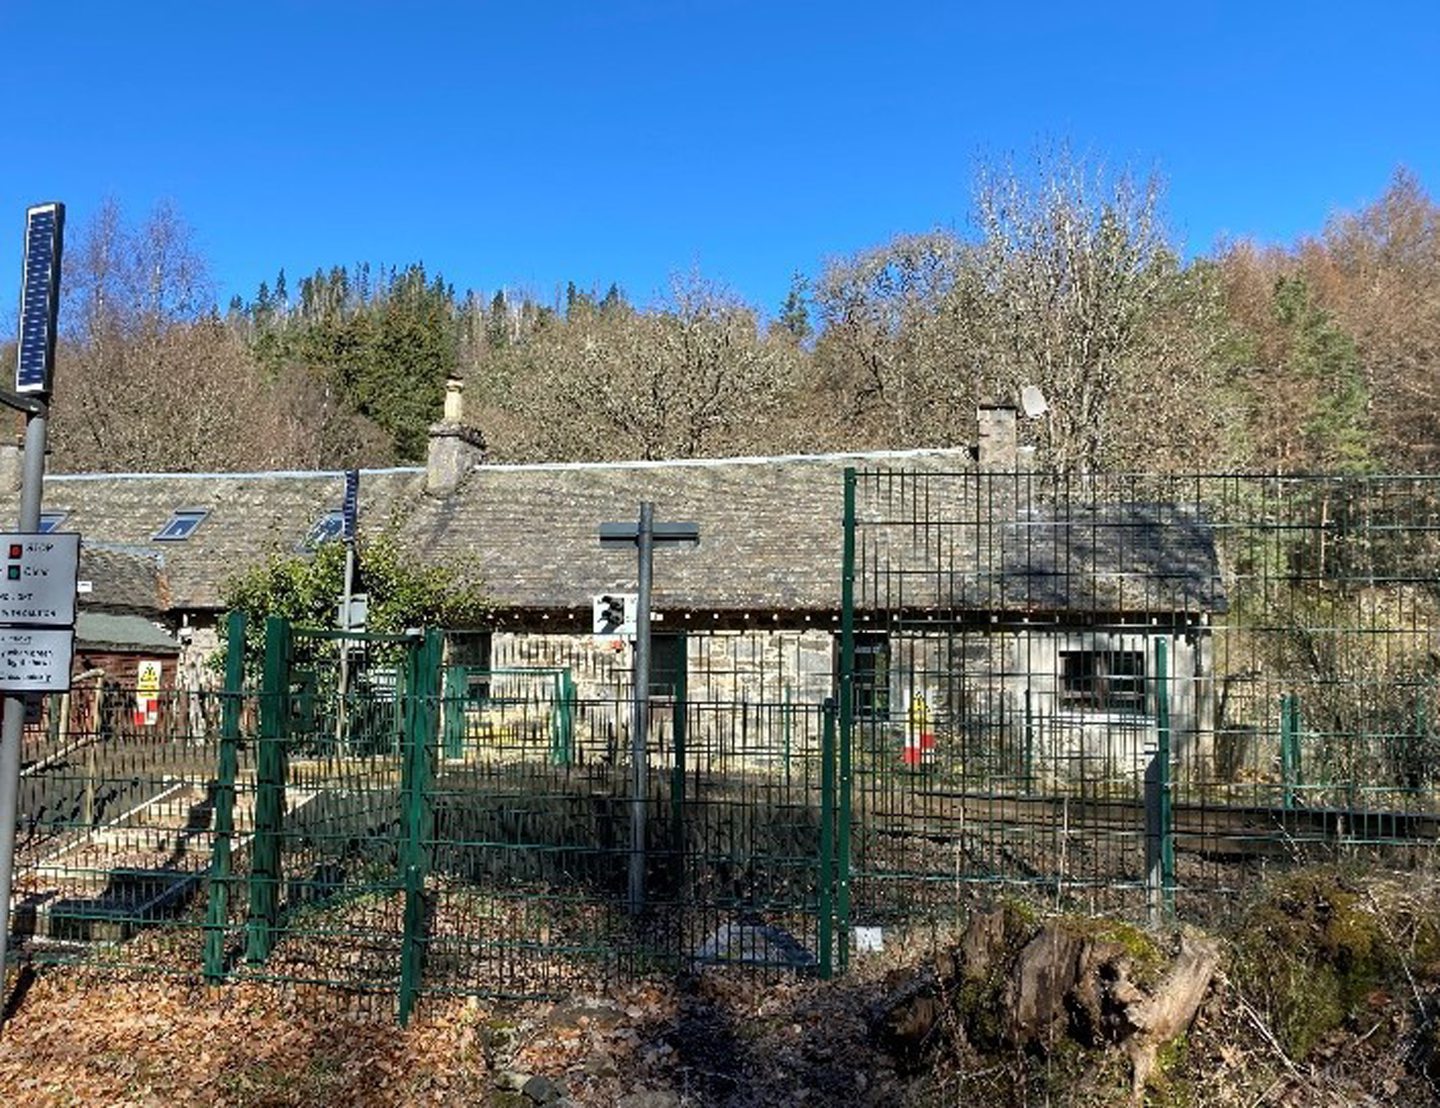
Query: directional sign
{"type": "Point", "coordinates": [38, 579]}
{"type": "Point", "coordinates": [614, 615]}
{"type": "Point", "coordinates": [35, 659]}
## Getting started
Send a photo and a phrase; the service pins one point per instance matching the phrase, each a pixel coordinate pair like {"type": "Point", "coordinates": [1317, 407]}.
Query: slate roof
{"type": "Point", "coordinates": [771, 535]}
{"type": "Point", "coordinates": [107, 631]}
{"type": "Point", "coordinates": [771, 529]}
{"type": "Point", "coordinates": [1002, 544]}
{"type": "Point", "coordinates": [1111, 558]}
{"type": "Point", "coordinates": [123, 578]}
{"type": "Point", "coordinates": [251, 516]}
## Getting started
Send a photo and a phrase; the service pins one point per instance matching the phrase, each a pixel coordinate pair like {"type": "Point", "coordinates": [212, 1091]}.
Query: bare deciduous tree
{"type": "Point", "coordinates": [149, 377]}
{"type": "Point", "coordinates": [690, 377]}
{"type": "Point", "coordinates": [1073, 265]}
{"type": "Point", "coordinates": [1377, 271]}
{"type": "Point", "coordinates": [893, 358]}
{"type": "Point", "coordinates": [1069, 284]}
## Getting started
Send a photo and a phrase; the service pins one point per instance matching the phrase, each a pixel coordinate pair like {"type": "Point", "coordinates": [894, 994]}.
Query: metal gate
{"type": "Point", "coordinates": [418, 829]}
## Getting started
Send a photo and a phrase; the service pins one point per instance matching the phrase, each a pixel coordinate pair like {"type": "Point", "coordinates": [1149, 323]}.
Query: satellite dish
{"type": "Point", "coordinates": [1033, 401]}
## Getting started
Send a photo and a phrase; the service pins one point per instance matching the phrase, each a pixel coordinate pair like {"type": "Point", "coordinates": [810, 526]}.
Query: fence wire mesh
{"type": "Point", "coordinates": [116, 836]}
{"type": "Point", "coordinates": [1008, 703]}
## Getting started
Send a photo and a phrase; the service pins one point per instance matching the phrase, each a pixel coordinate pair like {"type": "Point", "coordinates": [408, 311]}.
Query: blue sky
{"type": "Point", "coordinates": [525, 146]}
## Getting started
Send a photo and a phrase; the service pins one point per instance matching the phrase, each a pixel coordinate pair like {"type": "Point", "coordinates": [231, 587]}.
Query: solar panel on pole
{"type": "Point", "coordinates": [39, 298]}
{"type": "Point", "coordinates": [350, 509]}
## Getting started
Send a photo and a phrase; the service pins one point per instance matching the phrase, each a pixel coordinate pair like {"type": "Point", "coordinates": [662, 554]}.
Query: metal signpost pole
{"type": "Point", "coordinates": [644, 537]}
{"type": "Point", "coordinates": [342, 708]}
{"type": "Point", "coordinates": [645, 540]}
{"type": "Point", "coordinates": [35, 362]}
{"type": "Point", "coordinates": [349, 514]}
{"type": "Point", "coordinates": [13, 727]}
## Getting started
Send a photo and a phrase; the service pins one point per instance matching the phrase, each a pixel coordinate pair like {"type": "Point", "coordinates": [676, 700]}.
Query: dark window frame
{"type": "Point", "coordinates": [669, 658]}
{"type": "Point", "coordinates": [1103, 680]}
{"type": "Point", "coordinates": [870, 686]}
{"type": "Point", "coordinates": [474, 651]}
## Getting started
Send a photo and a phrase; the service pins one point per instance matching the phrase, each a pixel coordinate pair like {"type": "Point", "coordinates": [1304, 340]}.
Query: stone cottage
{"type": "Point", "coordinates": [1033, 610]}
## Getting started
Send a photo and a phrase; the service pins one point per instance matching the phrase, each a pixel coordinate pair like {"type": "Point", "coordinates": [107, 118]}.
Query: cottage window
{"type": "Point", "coordinates": [667, 663]}
{"type": "Point", "coordinates": [1103, 680]}
{"type": "Point", "coordinates": [872, 676]}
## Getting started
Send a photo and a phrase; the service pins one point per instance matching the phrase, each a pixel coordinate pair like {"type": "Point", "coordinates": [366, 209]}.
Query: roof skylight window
{"type": "Point", "coordinates": [182, 525]}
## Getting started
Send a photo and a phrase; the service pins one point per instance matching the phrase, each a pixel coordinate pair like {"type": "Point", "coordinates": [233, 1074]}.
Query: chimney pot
{"type": "Point", "coordinates": [454, 401]}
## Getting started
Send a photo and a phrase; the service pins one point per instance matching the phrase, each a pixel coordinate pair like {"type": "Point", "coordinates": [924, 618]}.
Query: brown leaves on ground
{"type": "Point", "coordinates": [735, 1038]}
{"type": "Point", "coordinates": [726, 1038]}
{"type": "Point", "coordinates": [82, 1040]}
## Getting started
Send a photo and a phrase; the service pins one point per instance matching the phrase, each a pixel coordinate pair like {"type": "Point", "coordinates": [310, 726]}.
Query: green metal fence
{"type": "Point", "coordinates": [368, 819]}
{"type": "Point", "coordinates": [119, 820]}
{"type": "Point", "coordinates": [1133, 694]}
{"type": "Point", "coordinates": [411, 829]}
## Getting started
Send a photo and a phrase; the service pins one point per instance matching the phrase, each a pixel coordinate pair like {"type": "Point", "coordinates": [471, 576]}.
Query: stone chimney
{"type": "Point", "coordinates": [997, 438]}
{"type": "Point", "coordinates": [455, 449]}
{"type": "Point", "coordinates": [999, 496]}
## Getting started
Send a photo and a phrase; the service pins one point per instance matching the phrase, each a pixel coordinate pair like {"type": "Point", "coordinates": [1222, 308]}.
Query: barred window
{"type": "Point", "coordinates": [872, 676]}
{"type": "Point", "coordinates": [1103, 680]}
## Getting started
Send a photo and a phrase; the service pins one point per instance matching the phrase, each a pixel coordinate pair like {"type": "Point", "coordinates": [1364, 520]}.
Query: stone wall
{"type": "Point", "coordinates": [995, 703]}
{"type": "Point", "coordinates": [764, 667]}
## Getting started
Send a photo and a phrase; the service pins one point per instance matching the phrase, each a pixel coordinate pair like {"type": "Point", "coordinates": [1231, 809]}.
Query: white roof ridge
{"type": "Point", "coordinates": [252, 475]}
{"type": "Point", "coordinates": [513, 467]}
{"type": "Point", "coordinates": [739, 460]}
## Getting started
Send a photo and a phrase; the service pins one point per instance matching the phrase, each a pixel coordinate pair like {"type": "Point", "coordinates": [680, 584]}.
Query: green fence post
{"type": "Point", "coordinates": [847, 718]}
{"type": "Point", "coordinates": [456, 679]}
{"type": "Point", "coordinates": [269, 793]}
{"type": "Point", "coordinates": [562, 718]}
{"type": "Point", "coordinates": [1167, 811]}
{"type": "Point", "coordinates": [787, 715]}
{"type": "Point", "coordinates": [677, 779]}
{"type": "Point", "coordinates": [423, 691]}
{"type": "Point", "coordinates": [1418, 751]}
{"type": "Point", "coordinates": [217, 911]}
{"type": "Point", "coordinates": [826, 937]}
{"type": "Point", "coordinates": [1296, 764]}
{"type": "Point", "coordinates": [1159, 822]}
{"type": "Point", "coordinates": [1029, 742]}
{"type": "Point", "coordinates": [570, 697]}
{"type": "Point", "coordinates": [1289, 769]}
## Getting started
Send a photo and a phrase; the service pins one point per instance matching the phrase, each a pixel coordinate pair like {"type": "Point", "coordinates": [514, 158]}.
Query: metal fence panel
{"type": "Point", "coordinates": [1133, 693]}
